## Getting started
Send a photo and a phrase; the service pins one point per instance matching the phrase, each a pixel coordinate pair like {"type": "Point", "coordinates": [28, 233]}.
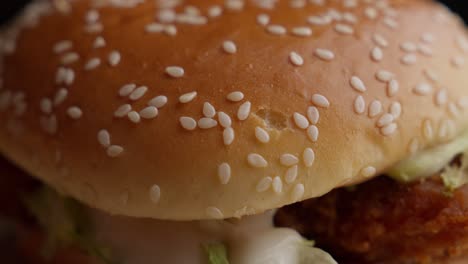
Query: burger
{"type": "Point", "coordinates": [242, 132]}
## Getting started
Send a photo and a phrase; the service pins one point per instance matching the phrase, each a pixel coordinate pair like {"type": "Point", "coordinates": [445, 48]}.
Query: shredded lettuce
{"type": "Point", "coordinates": [456, 176]}
{"type": "Point", "coordinates": [217, 253]}
{"type": "Point", "coordinates": [65, 224]}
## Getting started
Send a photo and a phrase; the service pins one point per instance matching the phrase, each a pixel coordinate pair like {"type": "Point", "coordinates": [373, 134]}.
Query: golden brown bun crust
{"type": "Point", "coordinates": [184, 164]}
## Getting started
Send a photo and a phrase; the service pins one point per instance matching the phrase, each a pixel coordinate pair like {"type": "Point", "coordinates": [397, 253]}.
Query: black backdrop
{"type": "Point", "coordinates": [10, 7]}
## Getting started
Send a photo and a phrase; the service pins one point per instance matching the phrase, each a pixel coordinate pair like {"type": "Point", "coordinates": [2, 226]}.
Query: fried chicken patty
{"type": "Point", "coordinates": [382, 221]}
{"type": "Point", "coordinates": [21, 239]}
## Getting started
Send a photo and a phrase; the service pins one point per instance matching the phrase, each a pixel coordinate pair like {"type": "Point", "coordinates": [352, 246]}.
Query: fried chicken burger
{"type": "Point", "coordinates": [237, 131]}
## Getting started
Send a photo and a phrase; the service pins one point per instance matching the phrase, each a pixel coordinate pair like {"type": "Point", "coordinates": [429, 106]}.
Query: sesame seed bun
{"type": "Point", "coordinates": [222, 111]}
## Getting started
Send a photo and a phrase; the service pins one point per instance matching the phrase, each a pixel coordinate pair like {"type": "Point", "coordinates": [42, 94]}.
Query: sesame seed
{"type": "Point", "coordinates": [324, 54]}
{"type": "Point", "coordinates": [224, 120]}
{"type": "Point", "coordinates": [70, 58]}
{"type": "Point", "coordinates": [188, 123]}
{"type": "Point", "coordinates": [357, 84]}
{"type": "Point", "coordinates": [390, 22]}
{"type": "Point", "coordinates": [377, 54]}
{"type": "Point", "coordinates": [409, 59]}
{"type": "Point", "coordinates": [166, 16]}
{"type": "Point", "coordinates": [229, 47]}
{"type": "Point", "coordinates": [235, 96]}
{"type": "Point", "coordinates": [262, 135]}
{"type": "Point", "coordinates": [300, 121]}
{"type": "Point", "coordinates": [380, 40]}
{"type": "Point", "coordinates": [256, 160]}
{"type": "Point", "coordinates": [385, 119]}
{"type": "Point", "coordinates": [244, 111]}
{"type": "Point", "coordinates": [297, 192]}
{"type": "Point", "coordinates": [134, 117]}
{"type": "Point", "coordinates": [389, 129]}
{"type": "Point", "coordinates": [127, 89]}
{"type": "Point", "coordinates": [207, 123]}
{"type": "Point", "coordinates": [458, 62]}
{"type": "Point", "coordinates": [395, 109]}
{"type": "Point", "coordinates": [359, 105]}
{"type": "Point", "coordinates": [290, 175]}
{"type": "Point", "coordinates": [264, 184]}
{"type": "Point", "coordinates": [114, 58]}
{"type": "Point", "coordinates": [263, 19]}
{"type": "Point", "coordinates": [235, 5]}
{"type": "Point", "coordinates": [371, 13]}
{"type": "Point", "coordinates": [92, 16]}
{"type": "Point", "coordinates": [69, 77]}
{"type": "Point", "coordinates": [92, 64]}
{"type": "Point", "coordinates": [368, 171]}
{"type": "Point", "coordinates": [313, 114]}
{"type": "Point", "coordinates": [158, 101]}
{"type": "Point", "coordinates": [408, 47]}
{"type": "Point", "coordinates": [413, 146]}
{"type": "Point", "coordinates": [277, 185]}
{"type": "Point", "coordinates": [462, 43]}
{"type": "Point", "coordinates": [99, 42]}
{"type": "Point", "coordinates": [188, 97]}
{"type": "Point", "coordinates": [422, 89]}
{"type": "Point", "coordinates": [443, 132]}
{"type": "Point", "coordinates": [74, 112]}
{"type": "Point", "coordinates": [104, 138]}
{"type": "Point", "coordinates": [276, 30]}
{"type": "Point", "coordinates": [155, 193]}
{"type": "Point", "coordinates": [62, 46]}
{"type": "Point", "coordinates": [427, 38]}
{"type": "Point", "coordinates": [462, 102]}
{"type": "Point", "coordinates": [302, 31]}
{"type": "Point", "coordinates": [392, 88]}
{"type": "Point", "coordinates": [288, 160]}
{"type": "Point", "coordinates": [114, 151]}
{"type": "Point", "coordinates": [154, 28]}
{"type": "Point", "coordinates": [170, 30]}
{"type": "Point", "coordinates": [428, 131]}
{"type": "Point", "coordinates": [122, 110]}
{"type": "Point", "coordinates": [214, 213]}
{"type": "Point", "coordinates": [60, 96]}
{"type": "Point", "coordinates": [228, 136]}
{"type": "Point", "coordinates": [350, 18]}
{"type": "Point", "coordinates": [46, 105]}
{"type": "Point", "coordinates": [149, 112]}
{"type": "Point", "coordinates": [453, 110]}
{"type": "Point", "coordinates": [313, 133]}
{"type": "Point", "coordinates": [138, 93]}
{"type": "Point", "coordinates": [384, 76]}
{"type": "Point", "coordinates": [441, 97]}
{"type": "Point", "coordinates": [425, 50]}
{"type": "Point", "coordinates": [431, 75]}
{"type": "Point", "coordinates": [224, 173]}
{"type": "Point", "coordinates": [175, 71]}
{"type": "Point", "coordinates": [344, 29]}
{"type": "Point", "coordinates": [308, 157]}
{"type": "Point", "coordinates": [215, 11]}
{"type": "Point", "coordinates": [320, 101]}
{"type": "Point", "coordinates": [209, 110]}
{"type": "Point", "coordinates": [318, 21]}
{"type": "Point", "coordinates": [296, 59]}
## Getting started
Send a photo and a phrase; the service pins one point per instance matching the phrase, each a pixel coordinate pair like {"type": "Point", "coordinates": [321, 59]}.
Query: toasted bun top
{"type": "Point", "coordinates": [193, 111]}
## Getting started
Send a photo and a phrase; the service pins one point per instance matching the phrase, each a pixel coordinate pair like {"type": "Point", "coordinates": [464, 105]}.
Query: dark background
{"type": "Point", "coordinates": [10, 7]}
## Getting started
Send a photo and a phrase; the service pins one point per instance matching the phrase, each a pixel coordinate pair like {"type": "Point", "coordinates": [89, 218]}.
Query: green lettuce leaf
{"type": "Point", "coordinates": [217, 253]}
{"type": "Point", "coordinates": [65, 223]}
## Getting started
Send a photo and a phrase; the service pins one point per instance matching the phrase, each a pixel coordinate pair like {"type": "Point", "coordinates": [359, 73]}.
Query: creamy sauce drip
{"type": "Point", "coordinates": [252, 240]}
